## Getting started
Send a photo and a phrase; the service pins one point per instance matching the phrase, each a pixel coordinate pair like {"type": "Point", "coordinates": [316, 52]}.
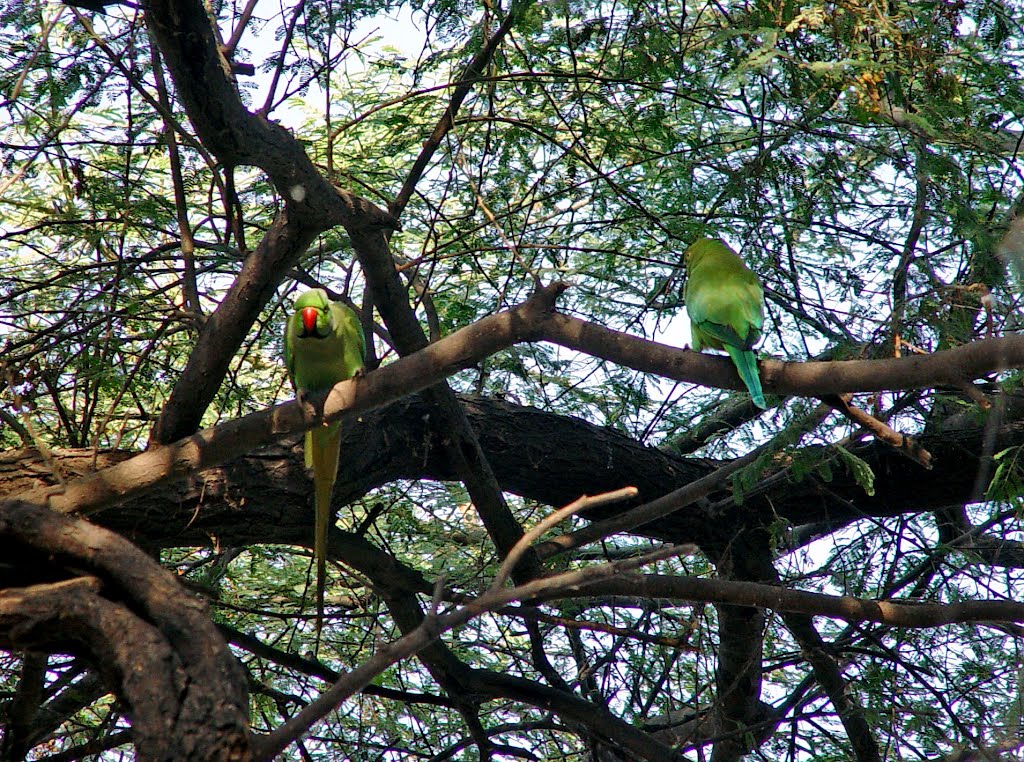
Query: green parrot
{"type": "Point", "coordinates": [323, 344]}
{"type": "Point", "coordinates": [726, 306]}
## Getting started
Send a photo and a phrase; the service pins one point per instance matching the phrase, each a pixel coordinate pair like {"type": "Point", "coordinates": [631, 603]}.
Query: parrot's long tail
{"type": "Point", "coordinates": [746, 365]}
{"type": "Point", "coordinates": [322, 448]}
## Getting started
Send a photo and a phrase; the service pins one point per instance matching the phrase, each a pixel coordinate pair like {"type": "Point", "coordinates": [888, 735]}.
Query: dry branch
{"type": "Point", "coordinates": [807, 379]}
{"type": "Point", "coordinates": [895, 613]}
{"type": "Point", "coordinates": [434, 625]}
{"type": "Point", "coordinates": [156, 646]}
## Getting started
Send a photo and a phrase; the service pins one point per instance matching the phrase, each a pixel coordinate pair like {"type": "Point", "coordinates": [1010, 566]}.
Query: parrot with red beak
{"type": "Point", "coordinates": [323, 344]}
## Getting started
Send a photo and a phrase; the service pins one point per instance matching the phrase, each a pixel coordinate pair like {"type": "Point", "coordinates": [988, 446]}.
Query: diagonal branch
{"type": "Point", "coordinates": [471, 76]}
{"type": "Point", "coordinates": [220, 443]}
{"type": "Point", "coordinates": [436, 624]}
{"type": "Point", "coordinates": [225, 330]}
{"type": "Point", "coordinates": [880, 430]}
{"type": "Point", "coordinates": [461, 444]}
{"type": "Point", "coordinates": [202, 77]}
{"type": "Point", "coordinates": [156, 643]}
{"type": "Point", "coordinates": [830, 677]}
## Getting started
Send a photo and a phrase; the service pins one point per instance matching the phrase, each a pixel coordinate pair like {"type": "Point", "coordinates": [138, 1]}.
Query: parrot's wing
{"type": "Point", "coordinates": [727, 309]}
{"type": "Point", "coordinates": [723, 333]}
{"type": "Point", "coordinates": [351, 338]}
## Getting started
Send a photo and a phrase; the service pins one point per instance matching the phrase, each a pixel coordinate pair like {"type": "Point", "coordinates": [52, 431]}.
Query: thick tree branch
{"type": "Point", "coordinates": [155, 643]}
{"type": "Point", "coordinates": [546, 457]}
{"type": "Point", "coordinates": [532, 320]}
{"type": "Point", "coordinates": [137, 662]}
{"type": "Point", "coordinates": [808, 379]}
{"type": "Point", "coordinates": [220, 443]}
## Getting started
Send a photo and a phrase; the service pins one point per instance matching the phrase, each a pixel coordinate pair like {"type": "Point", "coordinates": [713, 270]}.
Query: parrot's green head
{"type": "Point", "coordinates": [702, 247]}
{"type": "Point", "coordinates": [313, 309]}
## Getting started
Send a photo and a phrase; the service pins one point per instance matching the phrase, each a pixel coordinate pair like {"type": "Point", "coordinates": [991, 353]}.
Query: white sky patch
{"type": "Point", "coordinates": [675, 330]}
{"type": "Point", "coordinates": [399, 31]}
{"type": "Point", "coordinates": [376, 35]}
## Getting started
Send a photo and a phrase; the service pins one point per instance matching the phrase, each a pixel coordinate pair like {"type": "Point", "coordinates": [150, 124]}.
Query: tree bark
{"type": "Point", "coordinates": [154, 644]}
{"type": "Point", "coordinates": [543, 456]}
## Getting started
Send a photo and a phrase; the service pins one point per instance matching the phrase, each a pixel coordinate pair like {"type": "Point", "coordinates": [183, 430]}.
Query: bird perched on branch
{"type": "Point", "coordinates": [323, 344]}
{"type": "Point", "coordinates": [725, 302]}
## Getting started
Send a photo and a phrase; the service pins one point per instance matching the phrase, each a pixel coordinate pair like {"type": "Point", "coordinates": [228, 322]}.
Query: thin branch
{"type": "Point", "coordinates": [433, 627]}
{"type": "Point", "coordinates": [584, 502]}
{"type": "Point", "coordinates": [910, 614]}
{"type": "Point", "coordinates": [470, 77]}
{"type": "Point", "coordinates": [652, 511]}
{"type": "Point", "coordinates": [880, 430]}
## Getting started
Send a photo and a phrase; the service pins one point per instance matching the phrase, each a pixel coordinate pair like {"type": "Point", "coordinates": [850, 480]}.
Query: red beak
{"type": "Point", "coordinates": [309, 315]}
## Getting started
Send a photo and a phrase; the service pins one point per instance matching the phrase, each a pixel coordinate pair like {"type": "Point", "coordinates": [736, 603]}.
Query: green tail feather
{"type": "Point", "coordinates": [746, 366]}
{"type": "Point", "coordinates": [322, 453]}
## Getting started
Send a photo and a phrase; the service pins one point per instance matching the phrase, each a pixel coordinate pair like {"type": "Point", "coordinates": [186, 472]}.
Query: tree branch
{"type": "Point", "coordinates": [910, 614]}
{"type": "Point", "coordinates": [807, 379]}
{"type": "Point", "coordinates": [220, 443]}
{"type": "Point", "coordinates": [436, 624]}
{"type": "Point", "coordinates": [202, 77]}
{"type": "Point", "coordinates": [156, 645]}
{"type": "Point", "coordinates": [556, 459]}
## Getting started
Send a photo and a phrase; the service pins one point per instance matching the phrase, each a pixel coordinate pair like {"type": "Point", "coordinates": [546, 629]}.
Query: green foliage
{"type": "Point", "coordinates": [859, 468]}
{"type": "Point", "coordinates": [1007, 483]}
{"type": "Point", "coordinates": [832, 143]}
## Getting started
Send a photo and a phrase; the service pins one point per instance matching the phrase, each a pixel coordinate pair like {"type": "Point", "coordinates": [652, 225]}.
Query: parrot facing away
{"type": "Point", "coordinates": [725, 302]}
{"type": "Point", "coordinates": [323, 344]}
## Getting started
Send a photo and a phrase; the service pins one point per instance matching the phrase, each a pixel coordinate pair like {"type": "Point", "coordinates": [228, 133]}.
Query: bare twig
{"type": "Point", "coordinates": [648, 512]}
{"type": "Point", "coordinates": [896, 613]}
{"type": "Point", "coordinates": [432, 627]}
{"type": "Point", "coordinates": [974, 393]}
{"type": "Point", "coordinates": [880, 430]}
{"type": "Point", "coordinates": [585, 501]}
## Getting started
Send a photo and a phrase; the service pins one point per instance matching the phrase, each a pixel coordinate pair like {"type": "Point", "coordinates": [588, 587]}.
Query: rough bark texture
{"type": "Point", "coordinates": [264, 497]}
{"type": "Point", "coordinates": [153, 642]}
{"type": "Point", "coordinates": [550, 458]}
